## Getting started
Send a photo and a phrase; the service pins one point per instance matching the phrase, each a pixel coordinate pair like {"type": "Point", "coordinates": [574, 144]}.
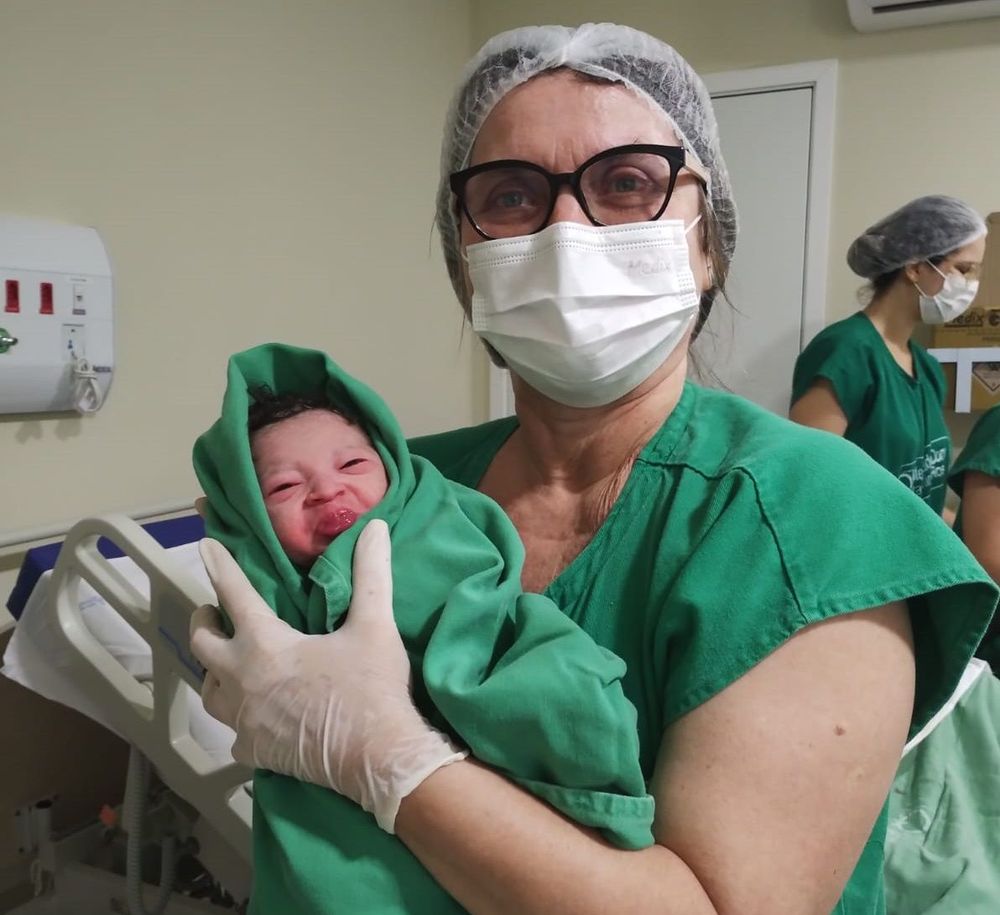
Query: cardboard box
{"type": "Point", "coordinates": [985, 385]}
{"type": "Point", "coordinates": [977, 327]}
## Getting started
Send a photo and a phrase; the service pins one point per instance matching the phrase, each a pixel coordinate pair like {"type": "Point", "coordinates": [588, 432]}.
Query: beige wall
{"type": "Point", "coordinates": [918, 110]}
{"type": "Point", "coordinates": [259, 170]}
{"type": "Point", "coordinates": [264, 170]}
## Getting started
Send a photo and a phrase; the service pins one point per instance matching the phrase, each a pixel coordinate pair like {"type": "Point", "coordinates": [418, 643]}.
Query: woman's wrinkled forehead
{"type": "Point", "coordinates": [564, 115]}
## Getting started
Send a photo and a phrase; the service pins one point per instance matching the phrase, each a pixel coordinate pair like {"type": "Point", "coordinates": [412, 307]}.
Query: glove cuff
{"type": "Point", "coordinates": [436, 752]}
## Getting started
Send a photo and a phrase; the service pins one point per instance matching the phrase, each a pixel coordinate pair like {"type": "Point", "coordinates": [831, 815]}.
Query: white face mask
{"type": "Point", "coordinates": [585, 314]}
{"type": "Point", "coordinates": [953, 299]}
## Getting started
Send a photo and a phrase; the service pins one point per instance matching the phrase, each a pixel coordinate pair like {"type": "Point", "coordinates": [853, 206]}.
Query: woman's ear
{"type": "Point", "coordinates": [912, 272]}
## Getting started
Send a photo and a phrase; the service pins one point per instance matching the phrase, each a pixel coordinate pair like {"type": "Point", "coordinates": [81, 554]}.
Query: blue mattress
{"type": "Point", "coordinates": [172, 532]}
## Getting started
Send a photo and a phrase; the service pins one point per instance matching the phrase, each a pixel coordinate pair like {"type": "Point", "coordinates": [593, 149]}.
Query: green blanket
{"type": "Point", "coordinates": [505, 672]}
{"type": "Point", "coordinates": [942, 850]}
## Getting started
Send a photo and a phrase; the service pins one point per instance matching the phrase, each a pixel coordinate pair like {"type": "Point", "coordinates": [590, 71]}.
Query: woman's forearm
{"type": "Point", "coordinates": [498, 850]}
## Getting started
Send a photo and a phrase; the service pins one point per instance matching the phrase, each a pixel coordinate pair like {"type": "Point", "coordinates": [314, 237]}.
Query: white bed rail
{"type": "Point", "coordinates": [156, 721]}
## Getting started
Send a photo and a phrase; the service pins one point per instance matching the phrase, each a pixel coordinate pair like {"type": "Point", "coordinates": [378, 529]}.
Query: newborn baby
{"type": "Point", "coordinates": [301, 458]}
{"type": "Point", "coordinates": [317, 468]}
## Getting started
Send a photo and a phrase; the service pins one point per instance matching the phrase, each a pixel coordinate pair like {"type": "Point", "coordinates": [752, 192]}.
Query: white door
{"type": "Point", "coordinates": [749, 347]}
{"type": "Point", "coordinates": [776, 129]}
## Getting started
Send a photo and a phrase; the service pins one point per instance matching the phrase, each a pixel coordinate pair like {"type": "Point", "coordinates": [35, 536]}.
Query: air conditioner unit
{"type": "Point", "coordinates": [878, 15]}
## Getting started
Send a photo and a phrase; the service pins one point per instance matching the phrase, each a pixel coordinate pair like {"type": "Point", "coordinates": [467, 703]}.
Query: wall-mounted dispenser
{"type": "Point", "coordinates": [56, 320]}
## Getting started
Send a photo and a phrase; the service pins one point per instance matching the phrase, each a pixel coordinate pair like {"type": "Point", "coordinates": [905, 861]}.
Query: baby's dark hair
{"type": "Point", "coordinates": [268, 408]}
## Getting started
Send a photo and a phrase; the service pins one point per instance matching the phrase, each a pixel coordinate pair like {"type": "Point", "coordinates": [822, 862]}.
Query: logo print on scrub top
{"type": "Point", "coordinates": [927, 473]}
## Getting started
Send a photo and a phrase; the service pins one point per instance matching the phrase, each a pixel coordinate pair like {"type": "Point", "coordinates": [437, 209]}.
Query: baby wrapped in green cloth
{"type": "Point", "coordinates": [503, 672]}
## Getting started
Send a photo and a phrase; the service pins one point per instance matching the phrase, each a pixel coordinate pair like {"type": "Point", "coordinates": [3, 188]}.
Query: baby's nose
{"type": "Point", "coordinates": [327, 489]}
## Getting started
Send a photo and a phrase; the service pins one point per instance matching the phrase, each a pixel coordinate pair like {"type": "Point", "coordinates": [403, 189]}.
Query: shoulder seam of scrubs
{"type": "Point", "coordinates": [766, 518]}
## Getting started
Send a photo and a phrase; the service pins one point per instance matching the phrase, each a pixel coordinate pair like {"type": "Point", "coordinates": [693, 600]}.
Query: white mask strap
{"type": "Point", "coordinates": [938, 272]}
{"type": "Point", "coordinates": [694, 222]}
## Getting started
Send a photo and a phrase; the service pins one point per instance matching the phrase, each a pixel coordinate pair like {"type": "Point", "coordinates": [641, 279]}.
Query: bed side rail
{"type": "Point", "coordinates": [155, 720]}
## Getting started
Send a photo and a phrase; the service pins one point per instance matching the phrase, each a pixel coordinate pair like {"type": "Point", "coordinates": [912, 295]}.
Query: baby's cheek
{"type": "Point", "coordinates": [380, 486]}
{"type": "Point", "coordinates": [292, 534]}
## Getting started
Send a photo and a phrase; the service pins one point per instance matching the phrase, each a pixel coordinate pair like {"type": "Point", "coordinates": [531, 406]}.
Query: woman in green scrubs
{"type": "Point", "coordinates": [864, 377]}
{"type": "Point", "coordinates": [779, 646]}
{"type": "Point", "coordinates": [975, 476]}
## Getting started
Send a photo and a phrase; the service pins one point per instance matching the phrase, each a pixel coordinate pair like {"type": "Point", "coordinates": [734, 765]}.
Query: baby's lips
{"type": "Point", "coordinates": [337, 522]}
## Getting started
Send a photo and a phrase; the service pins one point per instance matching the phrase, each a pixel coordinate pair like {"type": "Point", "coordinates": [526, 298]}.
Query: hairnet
{"type": "Point", "coordinates": [615, 52]}
{"type": "Point", "coordinates": [923, 228]}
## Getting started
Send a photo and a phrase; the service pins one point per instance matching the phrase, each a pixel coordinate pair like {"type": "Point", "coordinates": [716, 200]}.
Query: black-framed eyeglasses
{"type": "Point", "coordinates": [624, 184]}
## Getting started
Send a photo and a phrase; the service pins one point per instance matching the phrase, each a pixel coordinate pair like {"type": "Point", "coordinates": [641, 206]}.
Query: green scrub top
{"type": "Point", "coordinates": [724, 505]}
{"type": "Point", "coordinates": [982, 454]}
{"type": "Point", "coordinates": [507, 673]}
{"type": "Point", "coordinates": [895, 418]}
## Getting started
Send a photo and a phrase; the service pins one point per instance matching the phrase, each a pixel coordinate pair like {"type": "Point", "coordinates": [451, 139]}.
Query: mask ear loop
{"type": "Point", "coordinates": [687, 231]}
{"type": "Point", "coordinates": [933, 267]}
{"type": "Point", "coordinates": [945, 276]}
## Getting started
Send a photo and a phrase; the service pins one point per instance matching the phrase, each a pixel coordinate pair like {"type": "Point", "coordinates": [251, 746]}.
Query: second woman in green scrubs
{"type": "Point", "coordinates": [864, 377]}
{"type": "Point", "coordinates": [976, 478]}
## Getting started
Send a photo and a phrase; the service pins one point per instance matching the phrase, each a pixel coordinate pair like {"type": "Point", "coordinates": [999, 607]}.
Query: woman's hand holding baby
{"type": "Point", "coordinates": [334, 709]}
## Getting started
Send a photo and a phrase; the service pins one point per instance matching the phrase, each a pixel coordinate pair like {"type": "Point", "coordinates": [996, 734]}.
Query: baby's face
{"type": "Point", "coordinates": [317, 474]}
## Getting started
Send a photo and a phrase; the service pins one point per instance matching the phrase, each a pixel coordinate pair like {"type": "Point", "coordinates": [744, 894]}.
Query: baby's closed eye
{"type": "Point", "coordinates": [277, 488]}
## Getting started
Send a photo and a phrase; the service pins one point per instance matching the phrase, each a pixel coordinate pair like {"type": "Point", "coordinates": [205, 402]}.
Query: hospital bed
{"type": "Point", "coordinates": [102, 627]}
{"type": "Point", "coordinates": [106, 632]}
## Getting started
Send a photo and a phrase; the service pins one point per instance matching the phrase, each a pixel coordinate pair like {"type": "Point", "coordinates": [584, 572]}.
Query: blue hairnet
{"type": "Point", "coordinates": [614, 52]}
{"type": "Point", "coordinates": [923, 228]}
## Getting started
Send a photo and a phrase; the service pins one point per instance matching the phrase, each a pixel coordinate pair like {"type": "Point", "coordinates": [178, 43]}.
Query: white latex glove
{"type": "Point", "coordinates": [331, 709]}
